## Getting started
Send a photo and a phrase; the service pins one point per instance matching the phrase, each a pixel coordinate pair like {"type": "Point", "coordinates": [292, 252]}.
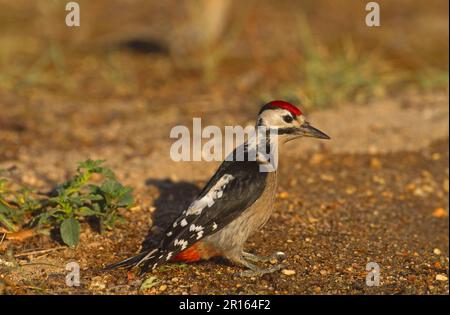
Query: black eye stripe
{"type": "Point", "coordinates": [288, 118]}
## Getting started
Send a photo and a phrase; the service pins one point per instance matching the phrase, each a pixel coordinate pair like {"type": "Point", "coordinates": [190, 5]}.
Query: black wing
{"type": "Point", "coordinates": [246, 183]}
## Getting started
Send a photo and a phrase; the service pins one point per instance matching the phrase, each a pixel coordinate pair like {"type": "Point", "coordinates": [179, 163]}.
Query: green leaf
{"type": "Point", "coordinates": [126, 200]}
{"type": "Point", "coordinates": [111, 187]}
{"type": "Point", "coordinates": [70, 231]}
{"type": "Point", "coordinates": [149, 283]}
{"type": "Point", "coordinates": [94, 197]}
{"type": "Point", "coordinates": [85, 211]}
{"type": "Point", "coordinates": [44, 217]}
{"type": "Point", "coordinates": [90, 164]}
{"type": "Point", "coordinates": [107, 173]}
{"type": "Point", "coordinates": [7, 223]}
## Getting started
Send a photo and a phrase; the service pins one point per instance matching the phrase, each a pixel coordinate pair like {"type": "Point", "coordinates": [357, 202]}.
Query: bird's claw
{"type": "Point", "coordinates": [280, 256]}
{"type": "Point", "coordinates": [260, 272]}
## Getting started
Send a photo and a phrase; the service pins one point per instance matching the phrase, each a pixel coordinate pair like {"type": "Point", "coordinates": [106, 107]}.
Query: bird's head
{"type": "Point", "coordinates": [288, 121]}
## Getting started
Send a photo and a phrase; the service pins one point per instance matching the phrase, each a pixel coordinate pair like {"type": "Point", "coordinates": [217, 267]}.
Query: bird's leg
{"type": "Point", "coordinates": [279, 256]}
{"type": "Point", "coordinates": [253, 270]}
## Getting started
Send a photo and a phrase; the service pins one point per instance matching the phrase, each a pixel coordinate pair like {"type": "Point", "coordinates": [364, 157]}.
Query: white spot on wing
{"type": "Point", "coordinates": [183, 222]}
{"type": "Point", "coordinates": [181, 243]}
{"type": "Point", "coordinates": [214, 227]}
{"type": "Point", "coordinates": [169, 233]}
{"type": "Point", "coordinates": [195, 228]}
{"type": "Point", "coordinates": [169, 255]}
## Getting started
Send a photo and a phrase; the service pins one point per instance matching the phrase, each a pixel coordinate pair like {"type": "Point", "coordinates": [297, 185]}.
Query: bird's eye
{"type": "Point", "coordinates": [288, 118]}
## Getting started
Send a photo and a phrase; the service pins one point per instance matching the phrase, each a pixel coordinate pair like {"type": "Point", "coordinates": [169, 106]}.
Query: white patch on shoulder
{"type": "Point", "coordinates": [214, 226]}
{"type": "Point", "coordinates": [208, 200]}
{"type": "Point", "coordinates": [169, 255]}
{"type": "Point", "coordinates": [183, 222]}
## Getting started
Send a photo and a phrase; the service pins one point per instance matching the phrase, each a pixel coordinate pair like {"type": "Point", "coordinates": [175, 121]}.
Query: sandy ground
{"type": "Point", "coordinates": [376, 193]}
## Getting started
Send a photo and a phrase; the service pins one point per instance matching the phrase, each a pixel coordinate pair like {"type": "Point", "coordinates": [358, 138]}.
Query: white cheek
{"type": "Point", "coordinates": [274, 118]}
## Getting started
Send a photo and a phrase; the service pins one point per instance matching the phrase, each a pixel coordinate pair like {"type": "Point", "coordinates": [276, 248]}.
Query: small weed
{"type": "Point", "coordinates": [15, 206]}
{"type": "Point", "coordinates": [149, 283]}
{"type": "Point", "coordinates": [71, 202]}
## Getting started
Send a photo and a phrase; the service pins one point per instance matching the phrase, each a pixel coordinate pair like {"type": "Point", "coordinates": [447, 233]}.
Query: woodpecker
{"type": "Point", "coordinates": [237, 201]}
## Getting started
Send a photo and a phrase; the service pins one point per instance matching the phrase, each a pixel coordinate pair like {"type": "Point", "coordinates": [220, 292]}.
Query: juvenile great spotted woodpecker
{"type": "Point", "coordinates": [236, 201]}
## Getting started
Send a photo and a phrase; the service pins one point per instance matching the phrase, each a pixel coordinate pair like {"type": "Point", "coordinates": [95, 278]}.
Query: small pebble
{"type": "Point", "coordinates": [288, 272]}
{"type": "Point", "coordinates": [436, 156]}
{"type": "Point", "coordinates": [441, 277]}
{"type": "Point", "coordinates": [439, 213]}
{"type": "Point", "coordinates": [327, 178]}
{"type": "Point", "coordinates": [283, 195]}
{"type": "Point", "coordinates": [350, 190]}
{"type": "Point", "coordinates": [375, 163]}
{"type": "Point", "coordinates": [135, 208]}
{"type": "Point", "coordinates": [437, 251]}
{"type": "Point", "coordinates": [316, 159]}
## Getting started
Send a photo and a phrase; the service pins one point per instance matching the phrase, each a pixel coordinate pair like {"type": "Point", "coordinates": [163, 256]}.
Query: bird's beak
{"type": "Point", "coordinates": [306, 130]}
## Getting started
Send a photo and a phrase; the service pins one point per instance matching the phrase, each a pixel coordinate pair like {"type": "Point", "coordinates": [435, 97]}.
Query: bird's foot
{"type": "Point", "coordinates": [246, 260]}
{"type": "Point", "coordinates": [278, 256]}
{"type": "Point", "coordinates": [257, 272]}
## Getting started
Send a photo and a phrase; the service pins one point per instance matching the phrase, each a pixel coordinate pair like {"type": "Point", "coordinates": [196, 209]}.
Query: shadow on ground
{"type": "Point", "coordinates": [173, 198]}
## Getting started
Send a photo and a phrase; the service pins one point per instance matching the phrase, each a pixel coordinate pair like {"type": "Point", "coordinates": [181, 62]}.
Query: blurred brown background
{"type": "Point", "coordinates": [150, 64]}
{"type": "Point", "coordinates": [318, 52]}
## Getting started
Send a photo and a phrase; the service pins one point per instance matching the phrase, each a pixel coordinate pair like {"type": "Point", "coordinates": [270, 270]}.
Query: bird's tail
{"type": "Point", "coordinates": [147, 257]}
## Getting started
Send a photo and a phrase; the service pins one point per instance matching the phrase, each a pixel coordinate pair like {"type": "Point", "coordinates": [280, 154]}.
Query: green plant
{"type": "Point", "coordinates": [15, 206]}
{"type": "Point", "coordinates": [149, 283]}
{"type": "Point", "coordinates": [76, 199]}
